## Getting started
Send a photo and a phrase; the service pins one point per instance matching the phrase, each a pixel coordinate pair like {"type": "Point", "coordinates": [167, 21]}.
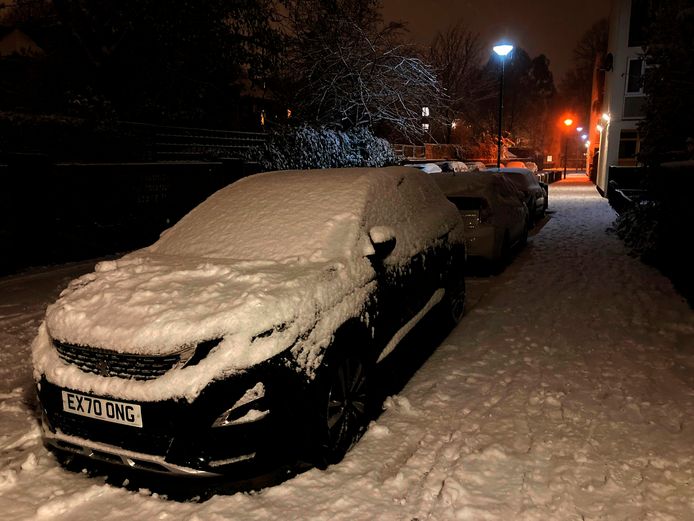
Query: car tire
{"type": "Point", "coordinates": [504, 255]}
{"type": "Point", "coordinates": [531, 216]}
{"type": "Point", "coordinates": [524, 235]}
{"type": "Point", "coordinates": [343, 406]}
{"type": "Point", "coordinates": [453, 303]}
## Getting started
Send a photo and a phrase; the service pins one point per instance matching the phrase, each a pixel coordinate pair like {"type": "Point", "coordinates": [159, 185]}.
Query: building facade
{"type": "Point", "coordinates": [614, 122]}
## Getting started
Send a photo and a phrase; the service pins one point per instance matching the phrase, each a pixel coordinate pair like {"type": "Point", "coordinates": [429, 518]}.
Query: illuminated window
{"type": "Point", "coordinates": [425, 126]}
{"type": "Point", "coordinates": [425, 112]}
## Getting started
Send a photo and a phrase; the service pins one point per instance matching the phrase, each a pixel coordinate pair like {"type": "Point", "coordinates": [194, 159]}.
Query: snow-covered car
{"type": "Point", "coordinates": [532, 166]}
{"type": "Point", "coordinates": [452, 166]}
{"type": "Point", "coordinates": [535, 196]}
{"type": "Point", "coordinates": [429, 168]}
{"type": "Point", "coordinates": [249, 333]}
{"type": "Point", "coordinates": [475, 165]}
{"type": "Point", "coordinates": [492, 208]}
{"type": "Point", "coordinates": [514, 164]}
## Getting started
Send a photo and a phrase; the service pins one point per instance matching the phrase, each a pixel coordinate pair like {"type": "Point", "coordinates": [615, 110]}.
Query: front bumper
{"type": "Point", "coordinates": [177, 437]}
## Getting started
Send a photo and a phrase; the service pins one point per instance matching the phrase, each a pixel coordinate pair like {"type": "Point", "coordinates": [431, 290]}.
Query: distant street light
{"type": "Point", "coordinates": [568, 122]}
{"type": "Point", "coordinates": [502, 50]}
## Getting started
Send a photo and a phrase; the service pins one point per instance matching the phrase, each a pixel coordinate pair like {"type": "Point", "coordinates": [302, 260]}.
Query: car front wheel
{"type": "Point", "coordinates": [343, 408]}
{"type": "Point", "coordinates": [453, 302]}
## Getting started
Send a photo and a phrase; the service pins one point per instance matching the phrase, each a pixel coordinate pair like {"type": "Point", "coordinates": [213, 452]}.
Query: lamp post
{"type": "Point", "coordinates": [502, 50]}
{"type": "Point", "coordinates": [568, 122]}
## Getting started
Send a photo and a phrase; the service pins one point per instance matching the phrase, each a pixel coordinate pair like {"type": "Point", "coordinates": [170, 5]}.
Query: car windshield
{"type": "Point", "coordinates": [274, 216]}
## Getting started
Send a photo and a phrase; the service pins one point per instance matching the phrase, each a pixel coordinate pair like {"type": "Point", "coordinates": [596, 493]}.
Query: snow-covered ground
{"type": "Point", "coordinates": [567, 392]}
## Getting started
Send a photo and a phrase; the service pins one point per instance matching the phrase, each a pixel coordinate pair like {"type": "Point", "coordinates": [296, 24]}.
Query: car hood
{"type": "Point", "coordinates": [154, 304]}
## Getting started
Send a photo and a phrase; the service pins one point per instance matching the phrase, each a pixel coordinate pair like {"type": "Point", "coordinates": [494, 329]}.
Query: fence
{"type": "Point", "coordinates": [61, 212]}
{"type": "Point", "coordinates": [185, 144]}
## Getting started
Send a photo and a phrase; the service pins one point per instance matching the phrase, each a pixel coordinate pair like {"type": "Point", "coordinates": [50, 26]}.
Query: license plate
{"type": "Point", "coordinates": [102, 409]}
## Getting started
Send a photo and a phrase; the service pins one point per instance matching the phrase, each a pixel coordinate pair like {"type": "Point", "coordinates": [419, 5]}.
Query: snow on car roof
{"type": "Point", "coordinates": [274, 216]}
{"type": "Point", "coordinates": [482, 184]}
{"type": "Point", "coordinates": [429, 168]}
{"type": "Point", "coordinates": [527, 177]}
{"type": "Point", "coordinates": [311, 214]}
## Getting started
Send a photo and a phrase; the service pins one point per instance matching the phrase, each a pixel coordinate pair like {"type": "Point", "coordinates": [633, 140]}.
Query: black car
{"type": "Point", "coordinates": [536, 196]}
{"type": "Point", "coordinates": [248, 335]}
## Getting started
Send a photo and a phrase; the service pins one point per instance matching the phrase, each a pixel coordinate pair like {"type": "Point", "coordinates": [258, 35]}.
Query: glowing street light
{"type": "Point", "coordinates": [502, 50]}
{"type": "Point", "coordinates": [567, 122]}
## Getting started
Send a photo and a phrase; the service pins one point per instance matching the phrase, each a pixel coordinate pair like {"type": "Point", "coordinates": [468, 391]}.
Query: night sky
{"type": "Point", "coordinates": [540, 27]}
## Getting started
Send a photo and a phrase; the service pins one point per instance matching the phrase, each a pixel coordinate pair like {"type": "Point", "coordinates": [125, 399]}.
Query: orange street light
{"type": "Point", "coordinates": [568, 122]}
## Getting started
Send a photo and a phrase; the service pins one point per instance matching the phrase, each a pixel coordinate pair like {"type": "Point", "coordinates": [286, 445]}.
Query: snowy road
{"type": "Point", "coordinates": [566, 393]}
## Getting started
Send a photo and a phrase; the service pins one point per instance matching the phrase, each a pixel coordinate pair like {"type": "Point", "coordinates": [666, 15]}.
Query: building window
{"type": "Point", "coordinates": [425, 112]}
{"type": "Point", "coordinates": [628, 147]}
{"type": "Point", "coordinates": [635, 74]}
{"type": "Point", "coordinates": [634, 96]}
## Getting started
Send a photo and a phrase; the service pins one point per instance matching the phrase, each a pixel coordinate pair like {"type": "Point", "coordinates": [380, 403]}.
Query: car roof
{"type": "Point", "coordinates": [492, 186]}
{"type": "Point", "coordinates": [510, 170]}
{"type": "Point", "coordinates": [283, 214]}
{"type": "Point", "coordinates": [453, 164]}
{"type": "Point", "coordinates": [429, 168]}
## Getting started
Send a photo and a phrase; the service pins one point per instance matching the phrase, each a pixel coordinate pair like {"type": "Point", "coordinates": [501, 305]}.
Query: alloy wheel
{"type": "Point", "coordinates": [347, 405]}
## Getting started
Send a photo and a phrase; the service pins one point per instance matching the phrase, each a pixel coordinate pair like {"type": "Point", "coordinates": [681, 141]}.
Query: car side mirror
{"type": "Point", "coordinates": [383, 241]}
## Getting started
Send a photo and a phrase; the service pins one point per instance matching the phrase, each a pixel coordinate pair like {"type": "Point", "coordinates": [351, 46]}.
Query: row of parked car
{"type": "Point", "coordinates": [254, 334]}
{"type": "Point", "coordinates": [498, 205]}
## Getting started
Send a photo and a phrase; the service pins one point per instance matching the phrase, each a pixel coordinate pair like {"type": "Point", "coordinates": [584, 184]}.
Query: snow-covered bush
{"type": "Point", "coordinates": [309, 147]}
{"type": "Point", "coordinates": [658, 229]}
{"type": "Point", "coordinates": [638, 228]}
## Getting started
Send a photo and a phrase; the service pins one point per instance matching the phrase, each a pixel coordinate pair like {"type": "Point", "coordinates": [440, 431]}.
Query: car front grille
{"type": "Point", "coordinates": [110, 363]}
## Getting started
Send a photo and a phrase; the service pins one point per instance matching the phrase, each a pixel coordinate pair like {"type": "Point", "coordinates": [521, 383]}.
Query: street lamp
{"type": "Point", "coordinates": [567, 122]}
{"type": "Point", "coordinates": [502, 50]}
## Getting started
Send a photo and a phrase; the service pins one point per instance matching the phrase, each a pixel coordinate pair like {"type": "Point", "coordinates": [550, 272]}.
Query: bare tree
{"type": "Point", "coordinates": [350, 70]}
{"type": "Point", "coordinates": [576, 86]}
{"type": "Point", "coordinates": [457, 56]}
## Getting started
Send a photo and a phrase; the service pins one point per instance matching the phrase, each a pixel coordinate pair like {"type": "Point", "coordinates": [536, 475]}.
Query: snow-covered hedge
{"type": "Point", "coordinates": [309, 147]}
{"type": "Point", "coordinates": [638, 228]}
{"type": "Point", "coordinates": [658, 229]}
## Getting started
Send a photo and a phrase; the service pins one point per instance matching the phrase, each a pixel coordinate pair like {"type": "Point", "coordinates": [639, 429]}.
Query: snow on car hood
{"type": "Point", "coordinates": [154, 304]}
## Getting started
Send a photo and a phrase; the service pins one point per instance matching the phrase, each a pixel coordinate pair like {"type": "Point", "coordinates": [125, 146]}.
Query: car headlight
{"type": "Point", "coordinates": [247, 409]}
{"type": "Point", "coordinates": [202, 349]}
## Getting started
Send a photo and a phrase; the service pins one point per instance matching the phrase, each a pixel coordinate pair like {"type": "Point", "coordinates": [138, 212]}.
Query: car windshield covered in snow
{"type": "Point", "coordinates": [273, 217]}
{"type": "Point", "coordinates": [313, 215]}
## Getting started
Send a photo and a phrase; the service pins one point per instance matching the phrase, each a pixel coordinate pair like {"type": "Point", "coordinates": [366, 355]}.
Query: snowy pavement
{"type": "Point", "coordinates": [566, 393]}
